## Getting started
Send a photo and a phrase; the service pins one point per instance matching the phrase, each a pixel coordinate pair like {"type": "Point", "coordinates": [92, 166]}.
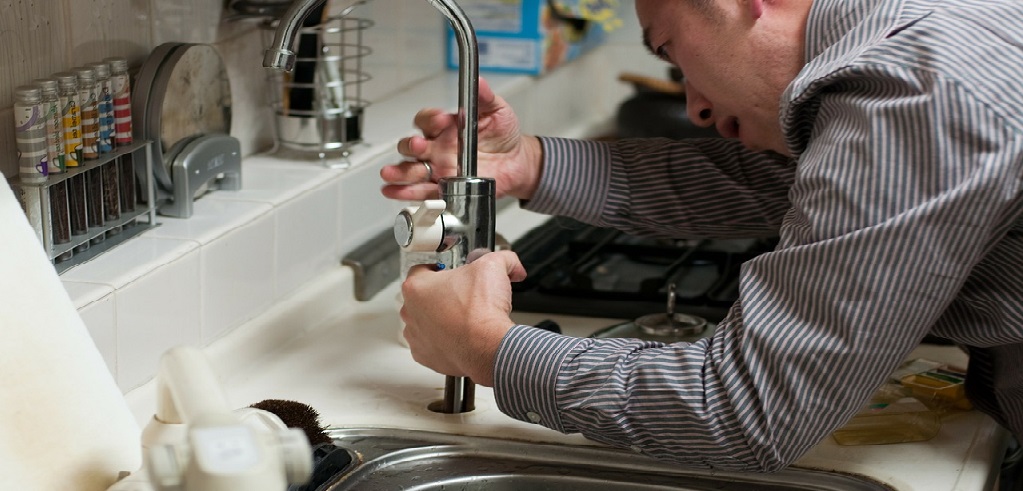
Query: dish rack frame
{"type": "Point", "coordinates": [35, 201]}
{"type": "Point", "coordinates": [334, 124]}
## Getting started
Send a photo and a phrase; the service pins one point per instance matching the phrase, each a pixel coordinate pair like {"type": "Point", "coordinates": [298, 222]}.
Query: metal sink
{"type": "Point", "coordinates": [409, 460]}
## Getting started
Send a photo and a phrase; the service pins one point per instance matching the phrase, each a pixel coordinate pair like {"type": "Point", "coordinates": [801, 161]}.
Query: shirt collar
{"type": "Point", "coordinates": [831, 20]}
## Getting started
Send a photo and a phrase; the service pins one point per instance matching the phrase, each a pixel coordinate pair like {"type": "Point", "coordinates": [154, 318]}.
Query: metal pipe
{"type": "Point", "coordinates": [469, 199]}
{"type": "Point", "coordinates": [468, 85]}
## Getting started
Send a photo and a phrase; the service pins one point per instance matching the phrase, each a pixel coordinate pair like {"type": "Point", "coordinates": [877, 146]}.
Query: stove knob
{"type": "Point", "coordinates": [421, 229]}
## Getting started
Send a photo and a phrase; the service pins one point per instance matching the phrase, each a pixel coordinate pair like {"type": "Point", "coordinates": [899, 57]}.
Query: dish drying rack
{"type": "Point", "coordinates": [318, 108]}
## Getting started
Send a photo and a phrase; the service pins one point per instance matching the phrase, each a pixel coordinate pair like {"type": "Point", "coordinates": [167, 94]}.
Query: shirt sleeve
{"type": "Point", "coordinates": [907, 183]}
{"type": "Point", "coordinates": [709, 187]}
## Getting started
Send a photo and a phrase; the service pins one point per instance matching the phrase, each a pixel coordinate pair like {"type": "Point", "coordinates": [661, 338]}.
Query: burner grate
{"type": "Point", "coordinates": [579, 269]}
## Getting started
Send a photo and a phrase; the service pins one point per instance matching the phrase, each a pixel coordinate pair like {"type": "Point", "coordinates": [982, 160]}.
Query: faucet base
{"type": "Point", "coordinates": [459, 396]}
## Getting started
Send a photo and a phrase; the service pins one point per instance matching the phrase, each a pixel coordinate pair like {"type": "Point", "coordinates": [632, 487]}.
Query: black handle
{"type": "Point", "coordinates": [549, 325]}
{"type": "Point", "coordinates": [302, 96]}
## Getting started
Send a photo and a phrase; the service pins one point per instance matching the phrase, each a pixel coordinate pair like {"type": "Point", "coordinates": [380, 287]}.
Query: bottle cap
{"type": "Point", "coordinates": [66, 80]}
{"type": "Point", "coordinates": [28, 94]}
{"type": "Point", "coordinates": [102, 70]}
{"type": "Point", "coordinates": [48, 86]}
{"type": "Point", "coordinates": [85, 75]}
{"type": "Point", "coordinates": [117, 64]}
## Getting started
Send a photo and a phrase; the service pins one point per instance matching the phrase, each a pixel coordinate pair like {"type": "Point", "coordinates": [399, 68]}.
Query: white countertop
{"type": "Point", "coordinates": [344, 358]}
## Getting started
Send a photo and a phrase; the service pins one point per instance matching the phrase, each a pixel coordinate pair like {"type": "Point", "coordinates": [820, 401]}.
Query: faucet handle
{"type": "Point", "coordinates": [421, 229]}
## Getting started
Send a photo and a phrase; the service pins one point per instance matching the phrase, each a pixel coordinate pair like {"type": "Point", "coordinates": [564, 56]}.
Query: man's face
{"type": "Point", "coordinates": [737, 61]}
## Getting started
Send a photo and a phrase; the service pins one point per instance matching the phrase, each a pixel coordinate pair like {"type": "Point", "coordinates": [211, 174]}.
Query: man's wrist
{"type": "Point", "coordinates": [484, 351]}
{"type": "Point", "coordinates": [532, 167]}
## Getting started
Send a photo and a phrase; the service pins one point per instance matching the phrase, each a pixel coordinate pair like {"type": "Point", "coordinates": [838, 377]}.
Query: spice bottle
{"type": "Point", "coordinates": [120, 85]}
{"type": "Point", "coordinates": [105, 106]}
{"type": "Point", "coordinates": [30, 131]}
{"type": "Point", "coordinates": [30, 140]}
{"type": "Point", "coordinates": [108, 171]}
{"type": "Point", "coordinates": [88, 99]}
{"type": "Point", "coordinates": [68, 93]}
{"type": "Point", "coordinates": [54, 125]}
{"type": "Point", "coordinates": [60, 219]}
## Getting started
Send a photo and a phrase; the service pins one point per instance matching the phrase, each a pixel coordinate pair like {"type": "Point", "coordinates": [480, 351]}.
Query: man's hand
{"type": "Point", "coordinates": [455, 319]}
{"type": "Point", "coordinates": [513, 160]}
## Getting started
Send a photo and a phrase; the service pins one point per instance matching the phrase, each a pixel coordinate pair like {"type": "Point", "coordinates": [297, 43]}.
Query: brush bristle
{"type": "Point", "coordinates": [297, 415]}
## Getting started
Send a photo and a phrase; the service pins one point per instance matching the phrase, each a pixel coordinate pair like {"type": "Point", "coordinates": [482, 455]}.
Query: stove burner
{"type": "Point", "coordinates": [579, 269]}
{"type": "Point", "coordinates": [671, 323]}
{"type": "Point", "coordinates": [674, 324]}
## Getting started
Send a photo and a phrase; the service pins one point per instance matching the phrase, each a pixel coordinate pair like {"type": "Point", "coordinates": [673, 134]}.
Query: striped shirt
{"type": "Point", "coordinates": [899, 215]}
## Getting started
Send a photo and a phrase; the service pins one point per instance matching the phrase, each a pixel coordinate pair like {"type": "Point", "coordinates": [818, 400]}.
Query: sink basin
{"type": "Point", "coordinates": [410, 460]}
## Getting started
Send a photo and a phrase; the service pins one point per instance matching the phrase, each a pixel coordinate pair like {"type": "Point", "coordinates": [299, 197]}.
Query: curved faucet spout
{"type": "Point", "coordinates": [468, 85]}
{"type": "Point", "coordinates": [281, 53]}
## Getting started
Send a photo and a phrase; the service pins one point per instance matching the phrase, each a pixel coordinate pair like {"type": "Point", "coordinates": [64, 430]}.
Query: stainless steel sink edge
{"type": "Point", "coordinates": [418, 460]}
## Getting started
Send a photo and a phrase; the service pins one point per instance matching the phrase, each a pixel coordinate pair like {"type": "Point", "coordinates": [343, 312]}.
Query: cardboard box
{"type": "Point", "coordinates": [533, 36]}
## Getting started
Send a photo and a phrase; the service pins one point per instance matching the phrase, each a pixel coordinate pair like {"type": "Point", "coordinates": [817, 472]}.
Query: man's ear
{"type": "Point", "coordinates": [755, 8]}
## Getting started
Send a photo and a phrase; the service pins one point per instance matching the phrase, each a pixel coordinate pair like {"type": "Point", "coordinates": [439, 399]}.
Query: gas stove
{"type": "Point", "coordinates": [583, 270]}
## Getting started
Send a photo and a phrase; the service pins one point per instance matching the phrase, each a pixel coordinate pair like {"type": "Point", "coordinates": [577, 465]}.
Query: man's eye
{"type": "Point", "coordinates": [662, 53]}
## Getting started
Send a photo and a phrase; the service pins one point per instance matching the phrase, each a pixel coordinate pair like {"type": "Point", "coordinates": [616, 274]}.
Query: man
{"type": "Point", "coordinates": [881, 140]}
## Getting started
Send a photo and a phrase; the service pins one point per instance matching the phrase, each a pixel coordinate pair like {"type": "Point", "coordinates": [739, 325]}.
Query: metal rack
{"type": "Point", "coordinates": [36, 200]}
{"type": "Point", "coordinates": [328, 119]}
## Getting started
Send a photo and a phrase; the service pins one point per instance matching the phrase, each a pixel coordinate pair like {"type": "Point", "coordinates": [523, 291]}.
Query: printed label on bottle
{"type": "Point", "coordinates": [30, 136]}
{"type": "Point", "coordinates": [122, 109]}
{"type": "Point", "coordinates": [105, 101]}
{"type": "Point", "coordinates": [72, 130]}
{"type": "Point", "coordinates": [54, 136]}
{"type": "Point", "coordinates": [90, 124]}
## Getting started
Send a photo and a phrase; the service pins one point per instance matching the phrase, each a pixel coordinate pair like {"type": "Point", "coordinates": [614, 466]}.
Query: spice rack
{"type": "Point", "coordinates": [36, 200]}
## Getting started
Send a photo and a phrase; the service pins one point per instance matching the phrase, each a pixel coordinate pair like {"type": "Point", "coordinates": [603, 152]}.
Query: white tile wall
{"type": "Point", "coordinates": [304, 197]}
{"type": "Point", "coordinates": [236, 257]}
{"type": "Point", "coordinates": [100, 317]}
{"type": "Point", "coordinates": [97, 307]}
{"type": "Point", "coordinates": [156, 301]}
{"type": "Point", "coordinates": [307, 236]}
{"type": "Point", "coordinates": [237, 277]}
{"type": "Point", "coordinates": [155, 313]}
{"type": "Point", "coordinates": [362, 211]}
{"type": "Point", "coordinates": [192, 281]}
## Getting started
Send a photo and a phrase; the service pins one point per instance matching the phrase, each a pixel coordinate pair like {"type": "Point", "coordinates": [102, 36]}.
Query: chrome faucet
{"type": "Point", "coordinates": [281, 53]}
{"type": "Point", "coordinates": [463, 219]}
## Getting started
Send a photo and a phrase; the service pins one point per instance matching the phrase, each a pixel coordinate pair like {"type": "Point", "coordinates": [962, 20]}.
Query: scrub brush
{"type": "Point", "coordinates": [297, 415]}
{"type": "Point", "coordinates": [329, 460]}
